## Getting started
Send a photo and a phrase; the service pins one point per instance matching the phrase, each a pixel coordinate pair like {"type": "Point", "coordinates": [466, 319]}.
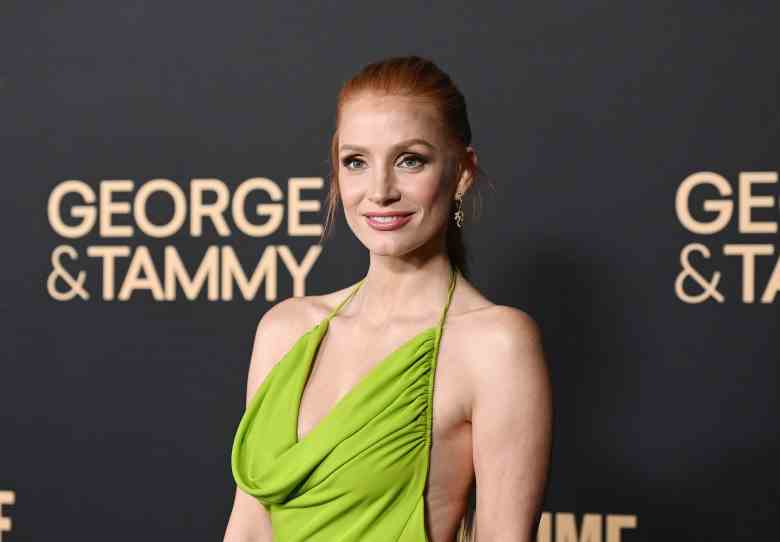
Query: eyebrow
{"type": "Point", "coordinates": [405, 143]}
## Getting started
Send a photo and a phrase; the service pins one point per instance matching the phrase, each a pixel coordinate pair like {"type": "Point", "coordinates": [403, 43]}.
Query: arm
{"type": "Point", "coordinates": [511, 424]}
{"type": "Point", "coordinates": [249, 521]}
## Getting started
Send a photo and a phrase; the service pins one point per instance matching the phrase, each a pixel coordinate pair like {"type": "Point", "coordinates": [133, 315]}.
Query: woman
{"type": "Point", "coordinates": [345, 436]}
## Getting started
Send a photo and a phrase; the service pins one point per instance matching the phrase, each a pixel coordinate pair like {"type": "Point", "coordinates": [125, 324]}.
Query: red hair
{"type": "Point", "coordinates": [416, 77]}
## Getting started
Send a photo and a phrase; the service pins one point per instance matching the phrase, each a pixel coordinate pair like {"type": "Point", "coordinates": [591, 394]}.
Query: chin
{"type": "Point", "coordinates": [391, 247]}
{"type": "Point", "coordinates": [387, 243]}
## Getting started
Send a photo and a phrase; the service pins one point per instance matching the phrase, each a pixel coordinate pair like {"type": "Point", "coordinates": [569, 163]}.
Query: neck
{"type": "Point", "coordinates": [401, 291]}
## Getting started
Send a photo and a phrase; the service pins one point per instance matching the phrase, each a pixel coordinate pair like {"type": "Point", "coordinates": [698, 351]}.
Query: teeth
{"type": "Point", "coordinates": [386, 218]}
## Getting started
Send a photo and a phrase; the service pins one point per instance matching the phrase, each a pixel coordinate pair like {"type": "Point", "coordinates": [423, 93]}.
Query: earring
{"type": "Point", "coordinates": [459, 213]}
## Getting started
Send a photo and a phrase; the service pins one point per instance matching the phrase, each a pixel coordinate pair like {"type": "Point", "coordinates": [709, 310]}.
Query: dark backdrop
{"type": "Point", "coordinates": [117, 416]}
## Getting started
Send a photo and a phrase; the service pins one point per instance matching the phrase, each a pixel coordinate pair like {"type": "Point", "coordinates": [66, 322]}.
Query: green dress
{"type": "Point", "coordinates": [360, 474]}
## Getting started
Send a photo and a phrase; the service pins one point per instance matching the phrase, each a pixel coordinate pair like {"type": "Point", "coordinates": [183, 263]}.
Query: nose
{"type": "Point", "coordinates": [382, 189]}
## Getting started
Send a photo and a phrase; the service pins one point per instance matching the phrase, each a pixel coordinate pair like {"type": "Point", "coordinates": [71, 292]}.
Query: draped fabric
{"type": "Point", "coordinates": [360, 473]}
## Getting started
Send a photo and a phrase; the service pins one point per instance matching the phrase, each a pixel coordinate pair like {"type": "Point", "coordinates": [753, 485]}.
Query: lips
{"type": "Point", "coordinates": [389, 213]}
{"type": "Point", "coordinates": [393, 220]}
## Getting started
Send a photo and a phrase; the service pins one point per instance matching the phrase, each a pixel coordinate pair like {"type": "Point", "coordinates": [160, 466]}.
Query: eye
{"type": "Point", "coordinates": [417, 161]}
{"type": "Point", "coordinates": [348, 160]}
{"type": "Point", "coordinates": [414, 158]}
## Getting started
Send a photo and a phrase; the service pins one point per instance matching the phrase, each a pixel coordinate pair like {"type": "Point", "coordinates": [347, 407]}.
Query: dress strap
{"type": "Point", "coordinates": [453, 275]}
{"type": "Point", "coordinates": [344, 301]}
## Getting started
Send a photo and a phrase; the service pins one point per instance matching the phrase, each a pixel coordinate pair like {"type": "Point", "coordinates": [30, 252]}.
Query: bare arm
{"type": "Point", "coordinates": [512, 425]}
{"type": "Point", "coordinates": [249, 521]}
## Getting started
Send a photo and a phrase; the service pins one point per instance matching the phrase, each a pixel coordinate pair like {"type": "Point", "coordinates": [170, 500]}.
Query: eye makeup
{"type": "Point", "coordinates": [420, 159]}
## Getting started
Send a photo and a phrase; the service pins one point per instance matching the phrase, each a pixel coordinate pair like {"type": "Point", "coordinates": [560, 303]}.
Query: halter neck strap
{"type": "Point", "coordinates": [453, 276]}
{"type": "Point", "coordinates": [451, 289]}
{"type": "Point", "coordinates": [344, 301]}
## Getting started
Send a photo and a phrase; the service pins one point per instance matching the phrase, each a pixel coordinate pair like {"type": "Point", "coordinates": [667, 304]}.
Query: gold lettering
{"type": "Point", "coordinates": [109, 254]}
{"type": "Point", "coordinates": [299, 272]}
{"type": "Point", "coordinates": [214, 211]}
{"type": "Point", "coordinates": [175, 272]}
{"type": "Point", "coordinates": [544, 533]}
{"type": "Point", "coordinates": [773, 286]}
{"type": "Point", "coordinates": [141, 261]}
{"type": "Point", "coordinates": [724, 208]}
{"type": "Point", "coordinates": [6, 497]}
{"type": "Point", "coordinates": [274, 211]}
{"type": "Point", "coordinates": [566, 528]}
{"type": "Point", "coordinates": [86, 212]}
{"type": "Point", "coordinates": [748, 201]}
{"type": "Point", "coordinates": [296, 206]}
{"type": "Point", "coordinates": [748, 254]}
{"type": "Point", "coordinates": [617, 522]}
{"type": "Point", "coordinates": [264, 271]}
{"type": "Point", "coordinates": [108, 208]}
{"type": "Point", "coordinates": [179, 208]}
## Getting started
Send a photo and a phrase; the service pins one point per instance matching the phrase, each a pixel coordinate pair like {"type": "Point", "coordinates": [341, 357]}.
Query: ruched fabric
{"type": "Point", "coordinates": [360, 473]}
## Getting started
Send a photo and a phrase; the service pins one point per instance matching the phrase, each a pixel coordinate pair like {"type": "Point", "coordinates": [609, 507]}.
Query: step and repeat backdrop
{"type": "Point", "coordinates": [165, 170]}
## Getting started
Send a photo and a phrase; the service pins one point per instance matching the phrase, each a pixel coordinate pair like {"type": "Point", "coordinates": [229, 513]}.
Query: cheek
{"type": "Point", "coordinates": [427, 193]}
{"type": "Point", "coordinates": [350, 194]}
{"type": "Point", "coordinates": [432, 196]}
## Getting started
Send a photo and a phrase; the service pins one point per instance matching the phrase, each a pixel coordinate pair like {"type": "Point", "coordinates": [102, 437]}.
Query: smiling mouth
{"type": "Point", "coordinates": [386, 219]}
{"type": "Point", "coordinates": [388, 213]}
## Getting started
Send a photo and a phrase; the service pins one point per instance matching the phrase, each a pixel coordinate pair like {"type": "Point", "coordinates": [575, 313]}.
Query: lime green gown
{"type": "Point", "coordinates": [360, 473]}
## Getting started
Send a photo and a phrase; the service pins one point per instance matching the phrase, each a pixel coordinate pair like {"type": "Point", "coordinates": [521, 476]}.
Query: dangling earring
{"type": "Point", "coordinates": [459, 213]}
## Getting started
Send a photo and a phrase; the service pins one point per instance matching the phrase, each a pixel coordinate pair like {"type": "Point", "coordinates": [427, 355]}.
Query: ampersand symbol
{"type": "Point", "coordinates": [709, 288]}
{"type": "Point", "coordinates": [76, 285]}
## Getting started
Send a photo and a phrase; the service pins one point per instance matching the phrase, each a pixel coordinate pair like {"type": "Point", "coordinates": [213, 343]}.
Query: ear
{"type": "Point", "coordinates": [466, 179]}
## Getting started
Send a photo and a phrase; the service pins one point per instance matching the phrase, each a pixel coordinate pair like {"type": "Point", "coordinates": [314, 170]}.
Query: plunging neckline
{"type": "Point", "coordinates": [362, 381]}
{"type": "Point", "coordinates": [321, 329]}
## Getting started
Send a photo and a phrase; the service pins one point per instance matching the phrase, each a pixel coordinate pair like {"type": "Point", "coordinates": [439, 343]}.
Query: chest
{"type": "Point", "coordinates": [339, 366]}
{"type": "Point", "coordinates": [340, 363]}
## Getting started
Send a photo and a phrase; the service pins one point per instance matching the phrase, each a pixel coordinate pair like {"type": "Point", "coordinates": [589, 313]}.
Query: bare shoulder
{"type": "Point", "coordinates": [482, 326]}
{"type": "Point", "coordinates": [498, 348]}
{"type": "Point", "coordinates": [505, 346]}
{"type": "Point", "coordinates": [281, 327]}
{"type": "Point", "coordinates": [507, 329]}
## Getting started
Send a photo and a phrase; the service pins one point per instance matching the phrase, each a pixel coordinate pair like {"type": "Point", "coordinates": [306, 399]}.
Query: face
{"type": "Point", "coordinates": [393, 157]}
